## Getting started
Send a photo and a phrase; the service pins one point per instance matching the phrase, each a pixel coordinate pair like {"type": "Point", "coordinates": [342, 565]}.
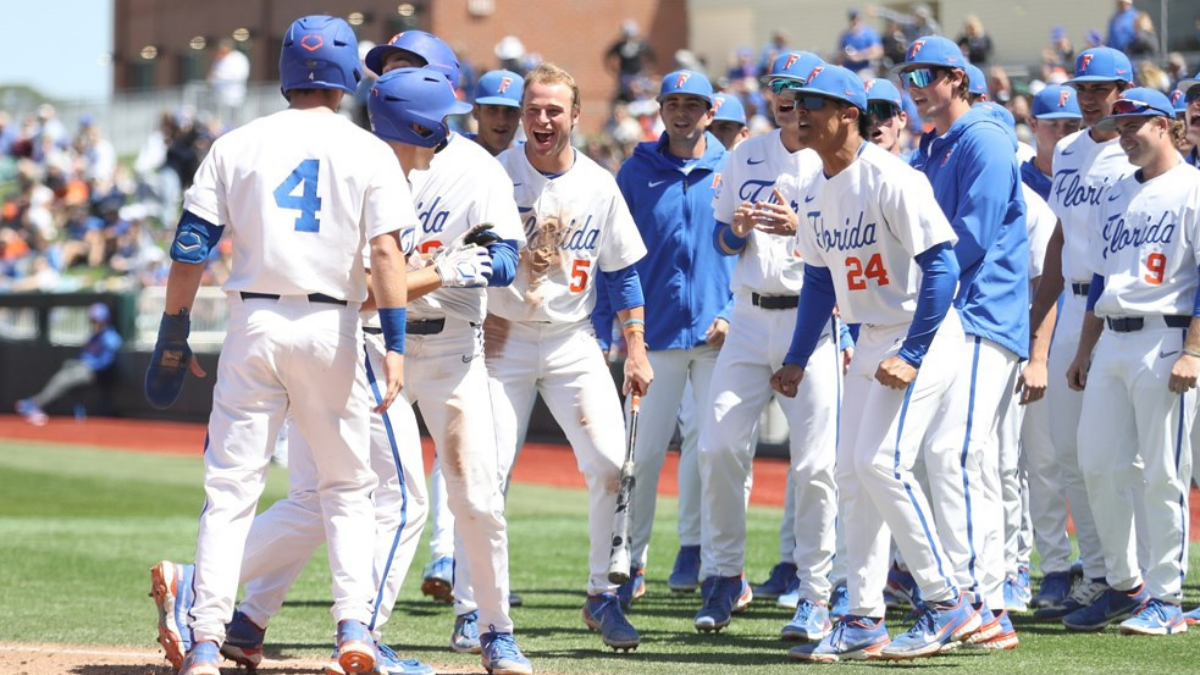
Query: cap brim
{"type": "Point", "coordinates": [890, 101]}
{"type": "Point", "coordinates": [1184, 85]}
{"type": "Point", "coordinates": [374, 59]}
{"type": "Point", "coordinates": [460, 108]}
{"type": "Point", "coordinates": [1058, 116]}
{"type": "Point", "coordinates": [660, 99]}
{"type": "Point", "coordinates": [1095, 78]}
{"type": "Point", "coordinates": [1110, 123]}
{"type": "Point", "coordinates": [498, 100]}
{"type": "Point", "coordinates": [809, 91]}
{"type": "Point", "coordinates": [900, 67]}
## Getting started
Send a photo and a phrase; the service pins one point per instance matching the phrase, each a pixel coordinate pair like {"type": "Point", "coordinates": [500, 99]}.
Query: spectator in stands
{"type": "Point", "coordinates": [976, 44]}
{"type": "Point", "coordinates": [98, 355]}
{"type": "Point", "coordinates": [743, 65]}
{"type": "Point", "coordinates": [1176, 69]}
{"type": "Point", "coordinates": [775, 47]}
{"type": "Point", "coordinates": [96, 152]}
{"type": "Point", "coordinates": [895, 43]}
{"type": "Point", "coordinates": [1144, 43]}
{"type": "Point", "coordinates": [50, 132]}
{"type": "Point", "coordinates": [1121, 26]}
{"type": "Point", "coordinates": [227, 77]}
{"type": "Point", "coordinates": [628, 58]}
{"type": "Point", "coordinates": [8, 135]}
{"type": "Point", "coordinates": [916, 25]}
{"type": "Point", "coordinates": [859, 46]}
{"type": "Point", "coordinates": [1150, 75]}
{"type": "Point", "coordinates": [1058, 56]}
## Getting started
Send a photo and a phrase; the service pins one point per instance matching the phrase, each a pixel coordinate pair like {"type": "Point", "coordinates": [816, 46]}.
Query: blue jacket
{"type": "Point", "coordinates": [973, 170]}
{"type": "Point", "coordinates": [684, 278]}
{"type": "Point", "coordinates": [101, 349]}
{"type": "Point", "coordinates": [1036, 180]}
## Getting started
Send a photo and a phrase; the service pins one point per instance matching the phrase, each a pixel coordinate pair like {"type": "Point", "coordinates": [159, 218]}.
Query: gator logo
{"type": "Point", "coordinates": [1085, 60]}
{"type": "Point", "coordinates": [683, 77]}
{"type": "Point", "coordinates": [813, 75]}
{"type": "Point", "coordinates": [916, 47]}
{"type": "Point", "coordinates": [1063, 97]}
{"type": "Point", "coordinates": [504, 82]}
{"type": "Point", "coordinates": [1175, 96]}
{"type": "Point", "coordinates": [792, 58]}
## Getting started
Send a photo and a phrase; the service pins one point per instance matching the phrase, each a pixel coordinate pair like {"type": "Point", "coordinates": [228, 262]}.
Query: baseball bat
{"type": "Point", "coordinates": [618, 558]}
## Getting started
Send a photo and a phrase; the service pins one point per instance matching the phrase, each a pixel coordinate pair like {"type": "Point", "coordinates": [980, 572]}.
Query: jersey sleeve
{"type": "Point", "coordinates": [623, 246]}
{"type": "Point", "coordinates": [916, 219]}
{"type": "Point", "coordinates": [388, 205]}
{"type": "Point", "coordinates": [207, 196]}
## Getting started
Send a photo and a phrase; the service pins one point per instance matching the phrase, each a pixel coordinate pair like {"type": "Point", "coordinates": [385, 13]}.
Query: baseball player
{"type": "Point", "coordinates": [1138, 386]}
{"type": "Point", "coordinates": [1054, 116]}
{"type": "Point", "coordinates": [310, 183]}
{"type": "Point", "coordinates": [1085, 165]}
{"type": "Point", "coordinates": [538, 336]}
{"type": "Point", "coordinates": [970, 159]}
{"type": "Point", "coordinates": [729, 120]}
{"type": "Point", "coordinates": [669, 185]}
{"type": "Point", "coordinates": [885, 111]}
{"type": "Point", "coordinates": [1191, 100]}
{"type": "Point", "coordinates": [755, 221]}
{"type": "Point", "coordinates": [874, 243]}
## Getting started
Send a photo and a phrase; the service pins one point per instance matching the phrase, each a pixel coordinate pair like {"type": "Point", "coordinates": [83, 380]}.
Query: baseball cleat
{"type": "Point", "coordinates": [243, 641]}
{"type": "Point", "coordinates": [1156, 618]}
{"type": "Point", "coordinates": [390, 663]}
{"type": "Point", "coordinates": [502, 656]}
{"type": "Point", "coordinates": [438, 580]}
{"type": "Point", "coordinates": [720, 594]}
{"type": "Point", "coordinates": [809, 624]}
{"type": "Point", "coordinates": [745, 598]}
{"type": "Point", "coordinates": [1015, 599]}
{"type": "Point", "coordinates": [465, 638]}
{"type": "Point", "coordinates": [989, 625]}
{"type": "Point", "coordinates": [938, 624]}
{"type": "Point", "coordinates": [603, 613]}
{"type": "Point", "coordinates": [780, 581]}
{"type": "Point", "coordinates": [171, 588]}
{"type": "Point", "coordinates": [685, 577]}
{"type": "Point", "coordinates": [790, 599]}
{"type": "Point", "coordinates": [630, 591]}
{"type": "Point", "coordinates": [203, 659]}
{"type": "Point", "coordinates": [839, 601]}
{"type": "Point", "coordinates": [854, 638]}
{"type": "Point", "coordinates": [515, 600]}
{"type": "Point", "coordinates": [1112, 605]}
{"type": "Point", "coordinates": [1005, 637]}
{"type": "Point", "coordinates": [903, 586]}
{"type": "Point", "coordinates": [27, 409]}
{"type": "Point", "coordinates": [1083, 594]}
{"type": "Point", "coordinates": [1053, 591]}
{"type": "Point", "coordinates": [1192, 617]}
{"type": "Point", "coordinates": [356, 647]}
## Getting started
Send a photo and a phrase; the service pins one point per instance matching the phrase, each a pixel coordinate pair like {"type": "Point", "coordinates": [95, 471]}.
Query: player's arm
{"type": "Point", "coordinates": [389, 283]}
{"type": "Point", "coordinates": [817, 300]}
{"type": "Point", "coordinates": [625, 293]}
{"type": "Point", "coordinates": [939, 279]}
{"type": "Point", "coordinates": [1043, 314]}
{"type": "Point", "coordinates": [1093, 326]}
{"type": "Point", "coordinates": [1187, 367]}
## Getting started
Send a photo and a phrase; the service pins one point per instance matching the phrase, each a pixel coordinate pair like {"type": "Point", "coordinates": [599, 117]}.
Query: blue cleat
{"type": "Point", "coordinates": [465, 638]}
{"type": "Point", "coordinates": [1024, 584]}
{"type": "Point", "coordinates": [1192, 617]}
{"type": "Point", "coordinates": [390, 663]}
{"type": "Point", "coordinates": [1112, 605]}
{"type": "Point", "coordinates": [1014, 595]}
{"type": "Point", "coordinates": [1156, 618]}
{"type": "Point", "coordinates": [203, 659]}
{"type": "Point", "coordinates": [1084, 593]}
{"type": "Point", "coordinates": [791, 597]}
{"type": "Point", "coordinates": [854, 638]}
{"type": "Point", "coordinates": [243, 641]}
{"type": "Point", "coordinates": [989, 625]}
{"type": "Point", "coordinates": [839, 602]}
{"type": "Point", "coordinates": [746, 597]}
{"type": "Point", "coordinates": [903, 586]}
{"type": "Point", "coordinates": [355, 647]}
{"type": "Point", "coordinates": [29, 410]}
{"type": "Point", "coordinates": [1053, 592]}
{"type": "Point", "coordinates": [685, 577]}
{"type": "Point", "coordinates": [780, 581]}
{"type": "Point", "coordinates": [809, 624]}
{"type": "Point", "coordinates": [938, 625]}
{"type": "Point", "coordinates": [502, 656]}
{"type": "Point", "coordinates": [1004, 638]}
{"type": "Point", "coordinates": [603, 613]}
{"type": "Point", "coordinates": [630, 591]}
{"type": "Point", "coordinates": [438, 580]}
{"type": "Point", "coordinates": [171, 588]}
{"type": "Point", "coordinates": [720, 595]}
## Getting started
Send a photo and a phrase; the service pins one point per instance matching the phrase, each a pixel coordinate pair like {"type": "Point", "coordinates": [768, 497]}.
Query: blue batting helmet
{"type": "Point", "coordinates": [437, 54]}
{"type": "Point", "coordinates": [413, 96]}
{"type": "Point", "coordinates": [319, 52]}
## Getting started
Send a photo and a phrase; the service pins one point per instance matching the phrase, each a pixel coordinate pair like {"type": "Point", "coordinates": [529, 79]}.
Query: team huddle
{"type": "Point", "coordinates": [900, 310]}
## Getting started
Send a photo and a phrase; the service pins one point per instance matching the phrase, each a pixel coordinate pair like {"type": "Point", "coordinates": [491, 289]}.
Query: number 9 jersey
{"type": "Point", "coordinates": [869, 245]}
{"type": "Point", "coordinates": [304, 191]}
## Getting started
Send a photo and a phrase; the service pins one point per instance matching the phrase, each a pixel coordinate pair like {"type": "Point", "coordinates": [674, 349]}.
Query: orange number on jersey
{"type": "Point", "coordinates": [857, 276]}
{"type": "Point", "coordinates": [431, 245]}
{"type": "Point", "coordinates": [579, 275]}
{"type": "Point", "coordinates": [1156, 266]}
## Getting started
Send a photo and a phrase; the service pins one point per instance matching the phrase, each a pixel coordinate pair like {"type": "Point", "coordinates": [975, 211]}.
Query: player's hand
{"type": "Point", "coordinates": [847, 357]}
{"type": "Point", "coordinates": [638, 373]}
{"type": "Point", "coordinates": [468, 266]}
{"type": "Point", "coordinates": [393, 372]}
{"type": "Point", "coordinates": [743, 220]}
{"type": "Point", "coordinates": [1184, 374]}
{"type": "Point", "coordinates": [778, 219]}
{"type": "Point", "coordinates": [1031, 383]}
{"type": "Point", "coordinates": [716, 333]}
{"type": "Point", "coordinates": [895, 373]}
{"type": "Point", "coordinates": [1077, 374]}
{"type": "Point", "coordinates": [786, 380]}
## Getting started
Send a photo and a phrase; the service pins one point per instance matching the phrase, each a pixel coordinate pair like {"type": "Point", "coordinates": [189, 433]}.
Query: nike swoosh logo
{"type": "Point", "coordinates": [1163, 355]}
{"type": "Point", "coordinates": [1068, 152]}
{"type": "Point", "coordinates": [751, 161]}
{"type": "Point", "coordinates": [1113, 198]}
{"type": "Point", "coordinates": [809, 199]}
{"type": "Point", "coordinates": [517, 184]}
{"type": "Point", "coordinates": [656, 183]}
{"type": "Point", "coordinates": [468, 358]}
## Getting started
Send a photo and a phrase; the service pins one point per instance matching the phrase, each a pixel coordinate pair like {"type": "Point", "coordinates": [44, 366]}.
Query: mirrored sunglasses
{"type": "Point", "coordinates": [920, 77]}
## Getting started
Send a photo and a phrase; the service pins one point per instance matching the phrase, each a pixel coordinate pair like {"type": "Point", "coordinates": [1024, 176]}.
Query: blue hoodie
{"type": "Point", "coordinates": [685, 278]}
{"type": "Point", "coordinates": [976, 181]}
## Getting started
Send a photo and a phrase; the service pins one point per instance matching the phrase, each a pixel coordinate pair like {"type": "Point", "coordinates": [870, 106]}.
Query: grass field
{"type": "Point", "coordinates": [79, 529]}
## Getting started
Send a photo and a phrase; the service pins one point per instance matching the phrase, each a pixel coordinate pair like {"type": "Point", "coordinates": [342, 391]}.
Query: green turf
{"type": "Point", "coordinates": [80, 528]}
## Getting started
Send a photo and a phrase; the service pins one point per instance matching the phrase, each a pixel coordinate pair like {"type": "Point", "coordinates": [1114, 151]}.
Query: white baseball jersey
{"type": "Point", "coordinates": [769, 264]}
{"type": "Point", "coordinates": [1083, 172]}
{"type": "Point", "coordinates": [272, 195]}
{"type": "Point", "coordinates": [576, 225]}
{"type": "Point", "coordinates": [1147, 246]}
{"type": "Point", "coordinates": [1040, 222]}
{"type": "Point", "coordinates": [866, 224]}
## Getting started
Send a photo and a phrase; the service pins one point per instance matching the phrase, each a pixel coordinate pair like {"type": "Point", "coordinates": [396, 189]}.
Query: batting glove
{"type": "Point", "coordinates": [463, 267]}
{"type": "Point", "coordinates": [169, 364]}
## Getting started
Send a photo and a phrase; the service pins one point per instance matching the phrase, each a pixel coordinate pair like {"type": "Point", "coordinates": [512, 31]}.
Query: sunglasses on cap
{"type": "Point", "coordinates": [1127, 106]}
{"type": "Point", "coordinates": [920, 77]}
{"type": "Point", "coordinates": [882, 110]}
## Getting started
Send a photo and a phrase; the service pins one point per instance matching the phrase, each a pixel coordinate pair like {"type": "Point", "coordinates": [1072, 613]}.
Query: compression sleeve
{"type": "Point", "coordinates": [939, 269]}
{"type": "Point", "coordinates": [504, 262]}
{"type": "Point", "coordinates": [624, 288]}
{"type": "Point", "coordinates": [1095, 291]}
{"type": "Point", "coordinates": [817, 299]}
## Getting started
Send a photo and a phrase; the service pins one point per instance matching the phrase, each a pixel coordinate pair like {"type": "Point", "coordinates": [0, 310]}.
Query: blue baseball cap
{"type": "Point", "coordinates": [883, 90]}
{"type": "Point", "coordinates": [1056, 102]}
{"type": "Point", "coordinates": [98, 312]}
{"type": "Point", "coordinates": [1138, 102]}
{"type": "Point", "coordinates": [1179, 100]}
{"type": "Point", "coordinates": [795, 66]}
{"type": "Point", "coordinates": [500, 87]}
{"type": "Point", "coordinates": [976, 80]}
{"type": "Point", "coordinates": [1102, 64]}
{"type": "Point", "coordinates": [837, 83]}
{"type": "Point", "coordinates": [728, 108]}
{"type": "Point", "coordinates": [933, 51]}
{"type": "Point", "coordinates": [686, 82]}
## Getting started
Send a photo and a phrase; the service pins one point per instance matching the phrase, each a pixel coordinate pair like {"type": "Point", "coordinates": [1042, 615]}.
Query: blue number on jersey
{"type": "Point", "coordinates": [307, 203]}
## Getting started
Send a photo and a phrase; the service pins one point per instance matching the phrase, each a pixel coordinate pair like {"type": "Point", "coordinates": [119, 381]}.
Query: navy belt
{"type": "Point", "coordinates": [1129, 324]}
{"type": "Point", "coordinates": [1081, 289]}
{"type": "Point", "coordinates": [423, 327]}
{"type": "Point", "coordinates": [775, 301]}
{"type": "Point", "coordinates": [312, 297]}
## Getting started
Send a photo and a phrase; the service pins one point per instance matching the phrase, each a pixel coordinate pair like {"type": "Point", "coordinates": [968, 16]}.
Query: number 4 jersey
{"type": "Point", "coordinates": [1146, 245]}
{"type": "Point", "coordinates": [300, 193]}
{"type": "Point", "coordinates": [866, 225]}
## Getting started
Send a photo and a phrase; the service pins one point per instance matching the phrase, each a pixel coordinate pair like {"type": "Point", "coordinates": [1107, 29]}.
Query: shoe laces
{"type": "Point", "coordinates": [926, 623]}
{"type": "Point", "coordinates": [1087, 591]}
{"type": "Point", "coordinates": [503, 646]}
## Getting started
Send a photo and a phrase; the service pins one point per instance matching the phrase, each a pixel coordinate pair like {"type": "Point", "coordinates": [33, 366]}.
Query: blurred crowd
{"type": "Point", "coordinates": [74, 217]}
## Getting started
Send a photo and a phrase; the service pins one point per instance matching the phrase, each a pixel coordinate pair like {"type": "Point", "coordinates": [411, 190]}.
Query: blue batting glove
{"type": "Point", "coordinates": [169, 364]}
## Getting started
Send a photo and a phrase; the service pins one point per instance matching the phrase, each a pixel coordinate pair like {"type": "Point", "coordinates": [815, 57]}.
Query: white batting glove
{"type": "Point", "coordinates": [463, 266]}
